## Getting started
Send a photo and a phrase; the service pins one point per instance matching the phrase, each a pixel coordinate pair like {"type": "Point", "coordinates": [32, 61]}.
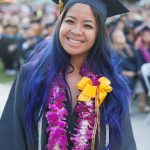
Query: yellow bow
{"type": "Point", "coordinates": [89, 91]}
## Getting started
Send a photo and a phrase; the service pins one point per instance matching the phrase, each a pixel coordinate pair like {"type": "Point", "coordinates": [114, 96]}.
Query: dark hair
{"type": "Point", "coordinates": [49, 58]}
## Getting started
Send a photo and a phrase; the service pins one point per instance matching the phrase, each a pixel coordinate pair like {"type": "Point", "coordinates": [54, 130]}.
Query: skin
{"type": "Point", "coordinates": [78, 31]}
{"type": "Point", "coordinates": [146, 37]}
{"type": "Point", "coordinates": [77, 35]}
{"type": "Point", "coordinates": [119, 40]}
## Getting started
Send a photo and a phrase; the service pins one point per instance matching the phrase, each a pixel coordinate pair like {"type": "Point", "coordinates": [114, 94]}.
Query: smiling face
{"type": "Point", "coordinates": [78, 30]}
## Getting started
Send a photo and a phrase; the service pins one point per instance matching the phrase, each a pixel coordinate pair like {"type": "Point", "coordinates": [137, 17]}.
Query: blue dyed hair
{"type": "Point", "coordinates": [49, 58]}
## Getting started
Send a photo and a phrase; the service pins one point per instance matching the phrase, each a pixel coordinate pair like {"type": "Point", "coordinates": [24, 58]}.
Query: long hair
{"type": "Point", "coordinates": [49, 58]}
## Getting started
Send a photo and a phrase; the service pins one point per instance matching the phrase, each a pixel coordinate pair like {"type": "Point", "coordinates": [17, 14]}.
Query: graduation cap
{"type": "Point", "coordinates": [106, 8]}
{"type": "Point", "coordinates": [136, 23]}
{"type": "Point", "coordinates": [145, 28]}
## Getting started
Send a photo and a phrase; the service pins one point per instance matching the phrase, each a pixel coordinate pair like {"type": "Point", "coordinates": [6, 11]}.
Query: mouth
{"type": "Point", "coordinates": [74, 41]}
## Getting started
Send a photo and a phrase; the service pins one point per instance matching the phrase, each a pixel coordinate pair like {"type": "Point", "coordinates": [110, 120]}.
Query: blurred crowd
{"type": "Point", "coordinates": [25, 25]}
{"type": "Point", "coordinates": [130, 37]}
{"type": "Point", "coordinates": [21, 28]}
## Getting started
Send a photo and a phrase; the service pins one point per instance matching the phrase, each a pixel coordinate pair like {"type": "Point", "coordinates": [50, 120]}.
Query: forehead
{"type": "Point", "coordinates": [81, 10]}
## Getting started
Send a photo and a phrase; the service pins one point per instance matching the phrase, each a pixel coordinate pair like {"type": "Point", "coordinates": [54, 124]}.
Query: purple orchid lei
{"type": "Point", "coordinates": [57, 114]}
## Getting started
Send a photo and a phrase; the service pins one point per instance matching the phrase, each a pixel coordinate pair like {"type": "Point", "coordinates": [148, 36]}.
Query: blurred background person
{"type": "Point", "coordinates": [32, 36]}
{"type": "Point", "coordinates": [9, 51]}
{"type": "Point", "coordinates": [130, 65]}
{"type": "Point", "coordinates": [143, 42]}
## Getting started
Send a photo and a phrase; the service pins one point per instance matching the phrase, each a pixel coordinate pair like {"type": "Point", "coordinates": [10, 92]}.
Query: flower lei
{"type": "Point", "coordinates": [93, 92]}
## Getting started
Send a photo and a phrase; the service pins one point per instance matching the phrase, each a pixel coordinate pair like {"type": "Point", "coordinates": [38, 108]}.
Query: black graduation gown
{"type": "Point", "coordinates": [14, 135]}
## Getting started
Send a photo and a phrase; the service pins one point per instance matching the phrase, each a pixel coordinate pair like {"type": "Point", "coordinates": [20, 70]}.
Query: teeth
{"type": "Point", "coordinates": [75, 42]}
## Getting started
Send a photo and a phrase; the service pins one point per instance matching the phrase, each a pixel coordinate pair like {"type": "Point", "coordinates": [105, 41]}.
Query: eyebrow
{"type": "Point", "coordinates": [90, 21]}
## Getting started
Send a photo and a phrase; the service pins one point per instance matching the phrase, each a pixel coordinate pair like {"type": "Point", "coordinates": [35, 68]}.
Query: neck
{"type": "Point", "coordinates": [77, 62]}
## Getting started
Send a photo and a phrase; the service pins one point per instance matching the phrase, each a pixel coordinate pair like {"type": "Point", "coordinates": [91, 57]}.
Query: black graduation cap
{"type": "Point", "coordinates": [145, 28]}
{"type": "Point", "coordinates": [135, 23]}
{"type": "Point", "coordinates": [106, 8]}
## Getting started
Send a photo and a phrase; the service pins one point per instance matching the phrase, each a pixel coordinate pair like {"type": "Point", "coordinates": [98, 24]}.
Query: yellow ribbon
{"type": "Point", "coordinates": [89, 91]}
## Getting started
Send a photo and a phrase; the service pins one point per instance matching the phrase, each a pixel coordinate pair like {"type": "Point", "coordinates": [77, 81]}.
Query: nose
{"type": "Point", "coordinates": [76, 30]}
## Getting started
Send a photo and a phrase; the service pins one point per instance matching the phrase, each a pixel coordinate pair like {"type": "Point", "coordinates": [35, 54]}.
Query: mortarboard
{"type": "Point", "coordinates": [106, 8]}
{"type": "Point", "coordinates": [136, 23]}
{"type": "Point", "coordinates": [145, 28]}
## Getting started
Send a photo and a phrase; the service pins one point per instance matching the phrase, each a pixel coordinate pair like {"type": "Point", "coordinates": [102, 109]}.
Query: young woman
{"type": "Point", "coordinates": [69, 96]}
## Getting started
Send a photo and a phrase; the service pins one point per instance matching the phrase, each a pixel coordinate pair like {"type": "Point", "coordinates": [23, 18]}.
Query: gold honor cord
{"type": "Point", "coordinates": [60, 6]}
{"type": "Point", "coordinates": [96, 126]}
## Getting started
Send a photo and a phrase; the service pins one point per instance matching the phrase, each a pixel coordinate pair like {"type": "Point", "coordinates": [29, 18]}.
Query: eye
{"type": "Point", "coordinates": [69, 21]}
{"type": "Point", "coordinates": [87, 26]}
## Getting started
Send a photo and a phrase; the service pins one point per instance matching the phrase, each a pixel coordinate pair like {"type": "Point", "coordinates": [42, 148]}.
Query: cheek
{"type": "Point", "coordinates": [65, 27]}
{"type": "Point", "coordinates": [92, 37]}
{"type": "Point", "coordinates": [62, 36]}
{"type": "Point", "coordinates": [63, 30]}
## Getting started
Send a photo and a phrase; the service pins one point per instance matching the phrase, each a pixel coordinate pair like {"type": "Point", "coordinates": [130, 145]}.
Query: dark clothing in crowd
{"type": "Point", "coordinates": [9, 51]}
{"type": "Point", "coordinates": [130, 63]}
{"type": "Point", "coordinates": [27, 45]}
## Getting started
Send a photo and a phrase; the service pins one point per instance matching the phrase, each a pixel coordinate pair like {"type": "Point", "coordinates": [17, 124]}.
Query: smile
{"type": "Point", "coordinates": [74, 41]}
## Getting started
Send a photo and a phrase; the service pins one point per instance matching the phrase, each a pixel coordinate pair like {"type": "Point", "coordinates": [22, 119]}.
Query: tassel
{"type": "Point", "coordinates": [60, 5]}
{"type": "Point", "coordinates": [93, 136]}
{"type": "Point", "coordinates": [96, 126]}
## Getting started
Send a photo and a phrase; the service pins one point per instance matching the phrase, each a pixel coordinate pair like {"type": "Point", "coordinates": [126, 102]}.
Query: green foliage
{"type": "Point", "coordinates": [3, 77]}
